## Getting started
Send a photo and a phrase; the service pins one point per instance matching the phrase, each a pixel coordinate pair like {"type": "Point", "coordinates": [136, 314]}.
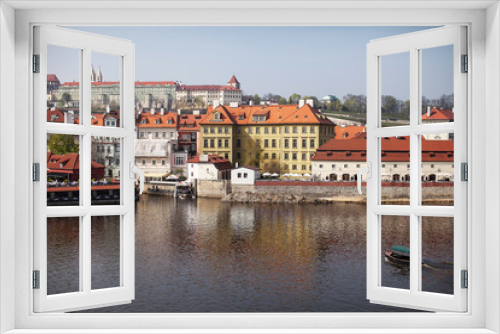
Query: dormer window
{"type": "Point", "coordinates": [143, 121]}
{"type": "Point", "coordinates": [216, 115]}
{"type": "Point", "coordinates": [157, 121]}
{"type": "Point", "coordinates": [169, 121]}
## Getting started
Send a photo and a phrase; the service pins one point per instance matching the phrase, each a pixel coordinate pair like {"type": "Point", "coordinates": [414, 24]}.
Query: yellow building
{"type": "Point", "coordinates": [278, 139]}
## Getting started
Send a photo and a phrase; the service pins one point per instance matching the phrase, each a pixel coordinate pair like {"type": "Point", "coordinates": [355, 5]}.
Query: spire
{"type": "Point", "coordinates": [92, 73]}
{"type": "Point", "coordinates": [99, 75]}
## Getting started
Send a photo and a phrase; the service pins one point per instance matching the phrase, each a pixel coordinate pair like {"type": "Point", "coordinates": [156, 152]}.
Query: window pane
{"type": "Point", "coordinates": [437, 167]}
{"type": "Point", "coordinates": [395, 170]}
{"type": "Point", "coordinates": [105, 233]}
{"type": "Point", "coordinates": [106, 171]}
{"type": "Point", "coordinates": [105, 89]}
{"type": "Point", "coordinates": [395, 237]}
{"type": "Point", "coordinates": [63, 170]}
{"type": "Point", "coordinates": [437, 85]}
{"type": "Point", "coordinates": [437, 254]}
{"type": "Point", "coordinates": [395, 98]}
{"type": "Point", "coordinates": [63, 255]}
{"type": "Point", "coordinates": [63, 84]}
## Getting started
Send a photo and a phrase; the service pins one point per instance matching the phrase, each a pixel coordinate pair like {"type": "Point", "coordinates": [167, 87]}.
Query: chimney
{"type": "Point", "coordinates": [233, 105]}
{"type": "Point", "coordinates": [263, 103]}
{"type": "Point", "coordinates": [364, 130]}
{"type": "Point", "coordinates": [152, 111]}
{"type": "Point", "coordinates": [428, 111]}
{"type": "Point", "coordinates": [162, 111]}
{"type": "Point", "coordinates": [236, 165]}
{"type": "Point", "coordinates": [216, 103]}
{"type": "Point", "coordinates": [250, 103]}
{"type": "Point", "coordinates": [53, 109]}
{"type": "Point", "coordinates": [70, 117]}
{"type": "Point", "coordinates": [301, 103]}
{"type": "Point", "coordinates": [108, 109]}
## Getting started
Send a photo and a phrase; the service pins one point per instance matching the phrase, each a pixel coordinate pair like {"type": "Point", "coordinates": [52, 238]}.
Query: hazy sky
{"type": "Point", "coordinates": [279, 60]}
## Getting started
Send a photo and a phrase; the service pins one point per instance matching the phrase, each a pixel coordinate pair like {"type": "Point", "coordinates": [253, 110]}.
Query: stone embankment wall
{"type": "Point", "coordinates": [213, 189]}
{"type": "Point", "coordinates": [300, 191]}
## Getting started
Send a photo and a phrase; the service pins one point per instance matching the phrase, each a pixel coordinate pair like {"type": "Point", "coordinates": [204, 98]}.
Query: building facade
{"type": "Point", "coordinates": [208, 168]}
{"type": "Point", "coordinates": [340, 160]}
{"type": "Point", "coordinates": [206, 94]}
{"type": "Point", "coordinates": [276, 138]}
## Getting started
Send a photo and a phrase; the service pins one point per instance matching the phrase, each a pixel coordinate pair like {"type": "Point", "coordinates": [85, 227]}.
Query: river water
{"type": "Point", "coordinates": [205, 255]}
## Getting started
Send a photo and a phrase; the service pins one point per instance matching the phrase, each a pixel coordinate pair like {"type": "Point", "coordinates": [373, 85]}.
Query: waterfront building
{"type": "Point", "coordinates": [106, 151]}
{"type": "Point", "coordinates": [157, 125]}
{"type": "Point", "coordinates": [245, 175]}
{"type": "Point", "coordinates": [205, 94]}
{"type": "Point", "coordinates": [153, 156]}
{"type": "Point", "coordinates": [340, 160]}
{"type": "Point", "coordinates": [275, 138]}
{"type": "Point", "coordinates": [52, 83]}
{"type": "Point", "coordinates": [438, 115]}
{"type": "Point", "coordinates": [208, 168]}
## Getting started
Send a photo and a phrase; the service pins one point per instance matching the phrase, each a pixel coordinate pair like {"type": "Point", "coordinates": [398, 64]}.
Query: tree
{"type": "Point", "coordinates": [256, 99]}
{"type": "Point", "coordinates": [65, 98]}
{"type": "Point", "coordinates": [62, 144]}
{"type": "Point", "coordinates": [389, 104]}
{"type": "Point", "coordinates": [282, 100]}
{"type": "Point", "coordinates": [294, 98]}
{"type": "Point", "coordinates": [198, 102]}
{"type": "Point", "coordinates": [355, 103]}
{"type": "Point", "coordinates": [338, 105]}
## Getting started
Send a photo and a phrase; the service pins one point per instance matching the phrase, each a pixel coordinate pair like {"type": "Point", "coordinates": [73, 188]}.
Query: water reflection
{"type": "Point", "coordinates": [208, 256]}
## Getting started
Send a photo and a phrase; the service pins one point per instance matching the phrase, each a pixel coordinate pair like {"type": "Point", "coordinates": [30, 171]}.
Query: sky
{"type": "Point", "coordinates": [313, 61]}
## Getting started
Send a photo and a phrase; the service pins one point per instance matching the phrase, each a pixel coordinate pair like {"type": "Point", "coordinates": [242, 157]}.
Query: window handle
{"type": "Point", "coordinates": [368, 171]}
{"type": "Point", "coordinates": [135, 170]}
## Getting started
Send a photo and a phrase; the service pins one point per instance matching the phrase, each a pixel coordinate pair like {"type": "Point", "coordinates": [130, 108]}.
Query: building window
{"type": "Point", "coordinates": [304, 156]}
{"type": "Point", "coordinates": [205, 142]}
{"type": "Point", "coordinates": [239, 175]}
{"type": "Point", "coordinates": [286, 156]}
{"type": "Point", "coordinates": [266, 142]}
{"type": "Point", "coordinates": [273, 156]}
{"type": "Point", "coordinates": [179, 160]}
{"type": "Point", "coordinates": [238, 143]}
{"type": "Point", "coordinates": [245, 175]}
{"type": "Point", "coordinates": [346, 166]}
{"type": "Point", "coordinates": [163, 162]}
{"type": "Point", "coordinates": [395, 166]}
{"type": "Point", "coordinates": [226, 156]}
{"type": "Point", "coordinates": [383, 165]}
{"type": "Point", "coordinates": [220, 129]}
{"type": "Point", "coordinates": [274, 129]}
{"type": "Point", "coordinates": [238, 130]}
{"type": "Point", "coordinates": [219, 143]}
{"type": "Point", "coordinates": [238, 155]}
{"type": "Point", "coordinates": [295, 129]}
{"type": "Point", "coordinates": [205, 130]}
{"type": "Point", "coordinates": [171, 135]}
{"type": "Point", "coordinates": [294, 143]}
{"type": "Point", "coordinates": [153, 162]}
{"type": "Point", "coordinates": [212, 143]}
{"type": "Point", "coordinates": [226, 142]}
{"type": "Point", "coordinates": [311, 143]}
{"type": "Point", "coordinates": [143, 162]}
{"type": "Point", "coordinates": [304, 167]}
{"type": "Point", "coordinates": [287, 129]}
{"type": "Point", "coordinates": [304, 129]}
{"type": "Point", "coordinates": [266, 155]}
{"type": "Point", "coordinates": [257, 142]}
{"type": "Point", "coordinates": [266, 129]}
{"type": "Point", "coordinates": [226, 129]}
{"type": "Point", "coordinates": [294, 167]}
{"type": "Point", "coordinates": [320, 166]}
{"type": "Point", "coordinates": [312, 129]}
{"type": "Point", "coordinates": [164, 135]}
{"type": "Point", "coordinates": [334, 166]}
{"type": "Point", "coordinates": [286, 143]}
{"type": "Point", "coordinates": [257, 129]}
{"type": "Point", "coordinates": [358, 165]}
{"type": "Point", "coordinates": [212, 129]}
{"type": "Point", "coordinates": [250, 129]}
{"type": "Point", "coordinates": [142, 135]}
{"type": "Point", "coordinates": [294, 156]}
{"type": "Point", "coordinates": [273, 143]}
{"type": "Point", "coordinates": [157, 135]}
{"type": "Point", "coordinates": [432, 165]}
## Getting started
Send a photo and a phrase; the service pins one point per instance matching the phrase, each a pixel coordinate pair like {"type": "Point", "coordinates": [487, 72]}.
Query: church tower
{"type": "Point", "coordinates": [92, 73]}
{"type": "Point", "coordinates": [99, 75]}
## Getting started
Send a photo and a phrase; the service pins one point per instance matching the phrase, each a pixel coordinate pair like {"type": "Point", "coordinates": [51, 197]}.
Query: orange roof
{"type": "Point", "coordinates": [349, 132]}
{"type": "Point", "coordinates": [275, 114]}
{"type": "Point", "coordinates": [439, 114]}
{"type": "Point", "coordinates": [393, 149]}
{"type": "Point", "coordinates": [56, 115]}
{"type": "Point", "coordinates": [189, 122]}
{"type": "Point", "coordinates": [146, 120]}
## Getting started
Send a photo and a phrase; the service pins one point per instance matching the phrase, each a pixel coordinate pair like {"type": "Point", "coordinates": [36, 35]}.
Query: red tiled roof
{"type": "Point", "coordinates": [348, 132]}
{"type": "Point", "coordinates": [439, 114]}
{"type": "Point", "coordinates": [146, 120]}
{"type": "Point", "coordinates": [110, 83]}
{"type": "Point", "coordinates": [189, 122]}
{"type": "Point", "coordinates": [275, 114]}
{"type": "Point", "coordinates": [393, 149]}
{"type": "Point", "coordinates": [206, 87]}
{"type": "Point", "coordinates": [52, 78]}
{"type": "Point", "coordinates": [69, 161]}
{"type": "Point", "coordinates": [219, 162]}
{"type": "Point", "coordinates": [233, 80]}
{"type": "Point", "coordinates": [56, 115]}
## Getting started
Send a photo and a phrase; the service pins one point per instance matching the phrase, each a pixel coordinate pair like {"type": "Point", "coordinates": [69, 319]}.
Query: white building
{"type": "Point", "coordinates": [153, 156]}
{"type": "Point", "coordinates": [245, 175]}
{"type": "Point", "coordinates": [208, 167]}
{"type": "Point", "coordinates": [340, 160]}
{"type": "Point", "coordinates": [230, 93]}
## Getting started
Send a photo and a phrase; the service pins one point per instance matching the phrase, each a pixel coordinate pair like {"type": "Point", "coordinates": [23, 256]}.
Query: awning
{"type": "Point", "coordinates": [146, 174]}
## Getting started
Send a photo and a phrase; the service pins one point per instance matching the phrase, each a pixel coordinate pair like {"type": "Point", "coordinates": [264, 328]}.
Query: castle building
{"type": "Point", "coordinates": [205, 94]}
{"type": "Point", "coordinates": [275, 138]}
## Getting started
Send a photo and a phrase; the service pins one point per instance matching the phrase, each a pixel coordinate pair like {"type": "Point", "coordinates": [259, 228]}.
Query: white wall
{"type": "Point", "coordinates": [7, 165]}
{"type": "Point", "coordinates": [251, 175]}
{"type": "Point", "coordinates": [203, 171]}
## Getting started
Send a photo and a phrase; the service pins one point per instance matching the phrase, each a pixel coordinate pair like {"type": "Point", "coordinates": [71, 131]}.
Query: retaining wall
{"type": "Point", "coordinates": [213, 189]}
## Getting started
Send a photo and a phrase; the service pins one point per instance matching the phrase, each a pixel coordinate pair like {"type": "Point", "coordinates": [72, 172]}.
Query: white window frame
{"type": "Point", "coordinates": [483, 315]}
